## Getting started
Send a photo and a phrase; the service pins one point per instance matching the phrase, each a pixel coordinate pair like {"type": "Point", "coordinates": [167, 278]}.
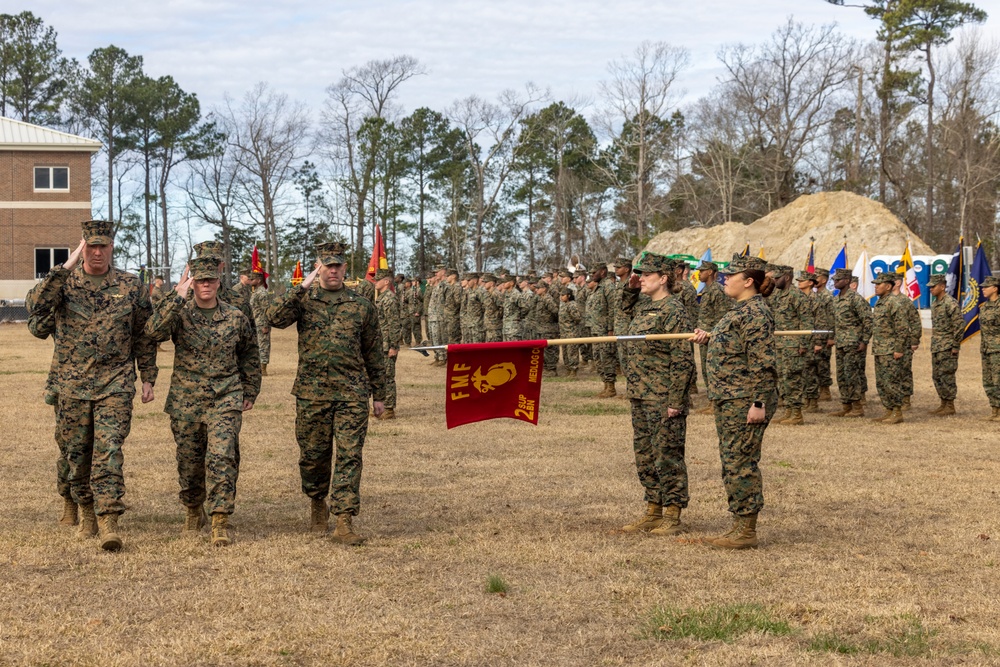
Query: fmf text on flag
{"type": "Point", "coordinates": [492, 380]}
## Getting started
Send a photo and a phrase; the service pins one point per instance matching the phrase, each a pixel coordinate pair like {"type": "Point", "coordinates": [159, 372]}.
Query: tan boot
{"type": "Point", "coordinates": [857, 409]}
{"type": "Point", "coordinates": [107, 526]}
{"type": "Point", "coordinates": [845, 409]}
{"type": "Point", "coordinates": [811, 407]}
{"type": "Point", "coordinates": [221, 537]}
{"type": "Point", "coordinates": [947, 409]}
{"type": "Point", "coordinates": [195, 519]}
{"type": "Point", "coordinates": [88, 522]}
{"type": "Point", "coordinates": [896, 417]}
{"type": "Point", "coordinates": [69, 516]}
{"type": "Point", "coordinates": [824, 394]}
{"type": "Point", "coordinates": [787, 414]}
{"type": "Point", "coordinates": [648, 521]}
{"type": "Point", "coordinates": [883, 417]}
{"type": "Point", "coordinates": [906, 404]}
{"type": "Point", "coordinates": [319, 516]}
{"type": "Point", "coordinates": [743, 534]}
{"type": "Point", "coordinates": [795, 419]}
{"type": "Point", "coordinates": [263, 370]}
{"type": "Point", "coordinates": [388, 414]}
{"type": "Point", "coordinates": [671, 522]}
{"type": "Point", "coordinates": [608, 391]}
{"type": "Point", "coordinates": [344, 532]}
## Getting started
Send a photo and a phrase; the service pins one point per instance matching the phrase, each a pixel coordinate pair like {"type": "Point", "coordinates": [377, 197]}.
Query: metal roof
{"type": "Point", "coordinates": [17, 135]}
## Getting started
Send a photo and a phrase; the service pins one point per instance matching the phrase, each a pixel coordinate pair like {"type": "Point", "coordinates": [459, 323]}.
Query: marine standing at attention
{"type": "Point", "coordinates": [948, 329]}
{"type": "Point", "coordinates": [852, 317]}
{"type": "Point", "coordinates": [989, 343]}
{"type": "Point", "coordinates": [387, 307]}
{"type": "Point", "coordinates": [890, 343]}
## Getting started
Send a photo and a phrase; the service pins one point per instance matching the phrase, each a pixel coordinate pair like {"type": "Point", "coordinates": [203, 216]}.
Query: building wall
{"type": "Point", "coordinates": [26, 222]}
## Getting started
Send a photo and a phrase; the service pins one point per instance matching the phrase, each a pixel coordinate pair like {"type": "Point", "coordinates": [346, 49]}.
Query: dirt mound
{"type": "Point", "coordinates": [831, 218]}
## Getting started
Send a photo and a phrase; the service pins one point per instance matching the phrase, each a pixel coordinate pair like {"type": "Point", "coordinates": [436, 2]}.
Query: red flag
{"type": "Point", "coordinates": [492, 380]}
{"type": "Point", "coordinates": [297, 274]}
{"type": "Point", "coordinates": [256, 267]}
{"type": "Point", "coordinates": [379, 259]}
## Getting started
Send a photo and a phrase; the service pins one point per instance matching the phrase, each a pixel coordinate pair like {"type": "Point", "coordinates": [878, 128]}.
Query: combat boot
{"type": "Point", "coordinates": [906, 404]}
{"type": "Point", "coordinates": [344, 532]}
{"type": "Point", "coordinates": [743, 534]}
{"type": "Point", "coordinates": [609, 391]}
{"type": "Point", "coordinates": [107, 525]}
{"type": "Point", "coordinates": [938, 409]}
{"type": "Point", "coordinates": [795, 419]}
{"type": "Point", "coordinates": [671, 522]}
{"type": "Point", "coordinates": [824, 394]}
{"type": "Point", "coordinates": [69, 515]}
{"type": "Point", "coordinates": [857, 409]}
{"type": "Point", "coordinates": [845, 410]}
{"type": "Point", "coordinates": [811, 407]}
{"type": "Point", "coordinates": [263, 369]}
{"type": "Point", "coordinates": [883, 417]}
{"type": "Point", "coordinates": [319, 516]}
{"type": "Point", "coordinates": [648, 521]}
{"type": "Point", "coordinates": [221, 537]}
{"type": "Point", "coordinates": [896, 417]}
{"type": "Point", "coordinates": [88, 522]}
{"type": "Point", "coordinates": [388, 414]}
{"type": "Point", "coordinates": [993, 413]}
{"type": "Point", "coordinates": [195, 519]}
{"type": "Point", "coordinates": [948, 410]}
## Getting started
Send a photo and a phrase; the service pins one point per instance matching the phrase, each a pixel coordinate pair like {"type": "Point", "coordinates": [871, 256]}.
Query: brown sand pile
{"type": "Point", "coordinates": [831, 218]}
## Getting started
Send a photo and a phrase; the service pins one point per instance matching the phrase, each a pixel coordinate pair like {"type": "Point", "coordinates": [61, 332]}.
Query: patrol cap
{"type": "Point", "coordinates": [937, 279]}
{"type": "Point", "coordinates": [471, 275]}
{"type": "Point", "coordinates": [565, 291]}
{"type": "Point", "coordinates": [622, 262]}
{"type": "Point", "coordinates": [401, 277]}
{"type": "Point", "coordinates": [214, 249]}
{"type": "Point", "coordinates": [440, 267]}
{"type": "Point", "coordinates": [821, 273]}
{"type": "Point", "coordinates": [885, 277]}
{"type": "Point", "coordinates": [451, 272]}
{"type": "Point", "coordinates": [805, 275]}
{"type": "Point", "coordinates": [204, 268]}
{"type": "Point", "coordinates": [548, 274]}
{"type": "Point", "coordinates": [98, 232]}
{"type": "Point", "coordinates": [708, 266]}
{"type": "Point", "coordinates": [564, 273]}
{"type": "Point", "coordinates": [741, 264]}
{"type": "Point", "coordinates": [652, 262]}
{"type": "Point", "coordinates": [488, 278]}
{"type": "Point", "coordinates": [990, 281]}
{"type": "Point", "coordinates": [842, 274]}
{"type": "Point", "coordinates": [331, 253]}
{"type": "Point", "coordinates": [383, 273]}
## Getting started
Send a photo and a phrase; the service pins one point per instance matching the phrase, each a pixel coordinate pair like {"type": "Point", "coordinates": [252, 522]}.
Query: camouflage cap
{"type": "Point", "coordinates": [98, 232]}
{"type": "Point", "coordinates": [210, 249]}
{"type": "Point", "coordinates": [440, 267]}
{"type": "Point", "coordinates": [821, 273]}
{"type": "Point", "coordinates": [204, 268]}
{"type": "Point", "coordinates": [937, 279]}
{"type": "Point", "coordinates": [885, 277]}
{"type": "Point", "coordinates": [565, 291]}
{"type": "Point", "coordinates": [708, 266]}
{"type": "Point", "coordinates": [990, 281]}
{"type": "Point", "coordinates": [548, 274]}
{"type": "Point", "coordinates": [383, 273]}
{"type": "Point", "coordinates": [622, 262]}
{"type": "Point", "coordinates": [592, 278]}
{"type": "Point", "coordinates": [488, 278]}
{"type": "Point", "coordinates": [842, 274]}
{"type": "Point", "coordinates": [331, 253]}
{"type": "Point", "coordinates": [471, 275]}
{"type": "Point", "coordinates": [805, 275]}
{"type": "Point", "coordinates": [532, 273]}
{"type": "Point", "coordinates": [451, 272]}
{"type": "Point", "coordinates": [740, 264]}
{"type": "Point", "coordinates": [652, 262]}
{"type": "Point", "coordinates": [564, 273]}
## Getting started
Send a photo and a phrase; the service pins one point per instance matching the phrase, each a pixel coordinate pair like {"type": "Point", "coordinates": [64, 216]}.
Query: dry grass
{"type": "Point", "coordinates": [879, 544]}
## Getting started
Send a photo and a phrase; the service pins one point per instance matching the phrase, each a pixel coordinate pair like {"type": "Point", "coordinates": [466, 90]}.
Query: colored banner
{"type": "Point", "coordinates": [494, 380]}
{"type": "Point", "coordinates": [973, 296]}
{"type": "Point", "coordinates": [297, 277]}
{"type": "Point", "coordinates": [257, 267]}
{"type": "Point", "coordinates": [379, 259]}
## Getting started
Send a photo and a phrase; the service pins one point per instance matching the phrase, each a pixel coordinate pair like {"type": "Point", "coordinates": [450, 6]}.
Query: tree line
{"type": "Point", "coordinates": [523, 180]}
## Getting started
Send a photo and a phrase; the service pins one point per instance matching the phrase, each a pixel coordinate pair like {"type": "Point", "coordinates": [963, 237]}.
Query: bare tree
{"type": "Point", "coordinates": [212, 192]}
{"type": "Point", "coordinates": [268, 134]}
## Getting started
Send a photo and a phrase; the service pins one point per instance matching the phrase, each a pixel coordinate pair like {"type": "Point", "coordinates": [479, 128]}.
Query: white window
{"type": "Point", "coordinates": [51, 179]}
{"type": "Point", "coordinates": [46, 258]}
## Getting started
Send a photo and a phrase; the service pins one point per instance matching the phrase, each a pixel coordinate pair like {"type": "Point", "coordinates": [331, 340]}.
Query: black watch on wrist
{"type": "Point", "coordinates": [758, 404]}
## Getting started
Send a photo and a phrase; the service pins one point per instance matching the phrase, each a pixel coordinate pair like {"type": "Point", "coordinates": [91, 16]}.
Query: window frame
{"type": "Point", "coordinates": [51, 170]}
{"type": "Point", "coordinates": [52, 259]}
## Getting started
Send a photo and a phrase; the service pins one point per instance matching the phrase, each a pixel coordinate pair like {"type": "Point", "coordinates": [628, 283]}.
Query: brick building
{"type": "Point", "coordinates": [44, 196]}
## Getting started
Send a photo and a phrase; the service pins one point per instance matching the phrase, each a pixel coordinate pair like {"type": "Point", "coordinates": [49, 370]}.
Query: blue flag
{"type": "Point", "coordinates": [839, 263]}
{"type": "Point", "coordinates": [974, 296]}
{"type": "Point", "coordinates": [955, 278]}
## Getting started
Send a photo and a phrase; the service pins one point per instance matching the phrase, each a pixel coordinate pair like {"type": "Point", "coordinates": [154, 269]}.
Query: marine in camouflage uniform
{"type": "Point", "coordinates": [216, 378]}
{"type": "Point", "coordinates": [601, 320]}
{"type": "Point", "coordinates": [989, 343]}
{"type": "Point", "coordinates": [473, 310]}
{"type": "Point", "coordinates": [492, 309]}
{"type": "Point", "coordinates": [915, 330]}
{"type": "Point", "coordinates": [547, 321]}
{"type": "Point", "coordinates": [415, 310]}
{"type": "Point", "coordinates": [581, 293]}
{"type": "Point", "coordinates": [158, 290]}
{"type": "Point", "coordinates": [714, 304]}
{"type": "Point", "coordinates": [852, 326]}
{"type": "Point", "coordinates": [96, 321]}
{"type": "Point", "coordinates": [365, 288]}
{"type": "Point", "coordinates": [341, 365]}
{"type": "Point", "coordinates": [528, 301]}
{"type": "Point", "coordinates": [825, 319]}
{"type": "Point", "coordinates": [890, 341]}
{"type": "Point", "coordinates": [238, 296]}
{"type": "Point", "coordinates": [452, 307]}
{"type": "Point", "coordinates": [792, 312]}
{"type": "Point", "coordinates": [658, 376]}
{"type": "Point", "coordinates": [260, 299]}
{"type": "Point", "coordinates": [570, 326]}
{"type": "Point", "coordinates": [688, 297]}
{"type": "Point", "coordinates": [511, 310]}
{"type": "Point", "coordinates": [435, 315]}
{"type": "Point", "coordinates": [620, 323]}
{"type": "Point", "coordinates": [814, 345]}
{"type": "Point", "coordinates": [742, 375]}
{"type": "Point", "coordinates": [948, 329]}
{"type": "Point", "coordinates": [387, 307]}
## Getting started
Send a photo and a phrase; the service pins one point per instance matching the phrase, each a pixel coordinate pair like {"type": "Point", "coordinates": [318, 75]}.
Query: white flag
{"type": "Point", "coordinates": [863, 271]}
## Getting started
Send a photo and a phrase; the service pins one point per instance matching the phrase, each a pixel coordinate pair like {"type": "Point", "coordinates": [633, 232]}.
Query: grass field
{"type": "Point", "coordinates": [498, 544]}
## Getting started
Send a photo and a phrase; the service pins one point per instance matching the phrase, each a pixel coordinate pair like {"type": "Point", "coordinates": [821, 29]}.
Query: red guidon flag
{"type": "Point", "coordinates": [297, 274]}
{"type": "Point", "coordinates": [379, 259]}
{"type": "Point", "coordinates": [491, 380]}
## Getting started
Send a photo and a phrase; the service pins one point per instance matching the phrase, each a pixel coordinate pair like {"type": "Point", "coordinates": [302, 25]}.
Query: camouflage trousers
{"type": "Point", "coordinates": [436, 330]}
{"type": "Point", "coordinates": [453, 331]}
{"type": "Point", "coordinates": [991, 377]}
{"type": "Point", "coordinates": [703, 353]}
{"type": "Point", "coordinates": [907, 376]}
{"type": "Point", "coordinates": [658, 442]}
{"type": "Point", "coordinates": [473, 335]}
{"type": "Point", "coordinates": [551, 354]}
{"type": "Point", "coordinates": [823, 367]}
{"type": "Point", "coordinates": [791, 378]}
{"type": "Point", "coordinates": [320, 426]}
{"type": "Point", "coordinates": [390, 381]}
{"type": "Point", "coordinates": [410, 329]}
{"type": "Point", "coordinates": [62, 464]}
{"type": "Point", "coordinates": [90, 435]}
{"type": "Point", "coordinates": [850, 374]}
{"type": "Point", "coordinates": [571, 356]}
{"type": "Point", "coordinates": [208, 461]}
{"type": "Point", "coordinates": [810, 374]}
{"type": "Point", "coordinates": [739, 449]}
{"type": "Point", "coordinates": [605, 353]}
{"type": "Point", "coordinates": [494, 335]}
{"type": "Point", "coordinates": [889, 380]}
{"type": "Point", "coordinates": [512, 333]}
{"type": "Point", "coordinates": [944, 365]}
{"type": "Point", "coordinates": [264, 343]}
{"type": "Point", "coordinates": [587, 353]}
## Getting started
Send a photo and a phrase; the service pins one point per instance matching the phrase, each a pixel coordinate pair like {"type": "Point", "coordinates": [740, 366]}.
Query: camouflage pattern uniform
{"type": "Point", "coordinates": [157, 293]}
{"type": "Point", "coordinates": [414, 310]}
{"type": "Point", "coordinates": [387, 307]}
{"type": "Point", "coordinates": [891, 334]}
{"type": "Point", "coordinates": [216, 368]}
{"type": "Point", "coordinates": [742, 370]}
{"type": "Point", "coordinates": [512, 314]}
{"type": "Point", "coordinates": [97, 329]}
{"type": "Point", "coordinates": [366, 288]}
{"type": "Point", "coordinates": [259, 301]}
{"type": "Point", "coordinates": [570, 326]}
{"type": "Point", "coordinates": [714, 304]}
{"type": "Point", "coordinates": [811, 359]}
{"type": "Point", "coordinates": [493, 313]}
{"type": "Point", "coordinates": [915, 330]}
{"type": "Point", "coordinates": [601, 324]}
{"type": "Point", "coordinates": [582, 294]}
{"type": "Point", "coordinates": [948, 328]}
{"type": "Point", "coordinates": [547, 322]}
{"type": "Point", "coordinates": [341, 364]}
{"type": "Point", "coordinates": [989, 344]}
{"type": "Point", "coordinates": [688, 297]}
{"type": "Point", "coordinates": [852, 328]}
{"type": "Point", "coordinates": [824, 320]}
{"type": "Point", "coordinates": [238, 296]}
{"type": "Point", "coordinates": [528, 301]}
{"type": "Point", "coordinates": [658, 374]}
{"type": "Point", "coordinates": [472, 314]}
{"type": "Point", "coordinates": [435, 318]}
{"type": "Point", "coordinates": [452, 312]}
{"type": "Point", "coordinates": [792, 312]}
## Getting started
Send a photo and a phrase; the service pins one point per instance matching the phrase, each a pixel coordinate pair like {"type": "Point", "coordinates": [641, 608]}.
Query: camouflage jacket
{"type": "Point", "coordinates": [512, 312]}
{"type": "Point", "coordinates": [792, 311]}
{"type": "Point", "coordinates": [452, 302]}
{"type": "Point", "coordinates": [158, 293]}
{"type": "Point", "coordinates": [546, 314]}
{"type": "Point", "coordinates": [260, 299]}
{"type": "Point", "coordinates": [216, 361]}
{"type": "Point", "coordinates": [852, 319]}
{"type": "Point", "coordinates": [493, 310]}
{"type": "Point", "coordinates": [890, 326]}
{"type": "Point", "coordinates": [599, 308]}
{"type": "Point", "coordinates": [914, 327]}
{"type": "Point", "coordinates": [688, 296]}
{"type": "Point", "coordinates": [432, 303]}
{"type": "Point", "coordinates": [570, 320]}
{"type": "Point", "coordinates": [234, 296]}
{"type": "Point", "coordinates": [657, 370]}
{"type": "Point", "coordinates": [98, 332]}
{"type": "Point", "coordinates": [620, 318]}
{"type": "Point", "coordinates": [948, 325]}
{"type": "Point", "coordinates": [527, 301]}
{"type": "Point", "coordinates": [741, 356]}
{"type": "Point", "coordinates": [415, 301]}
{"type": "Point", "coordinates": [826, 320]}
{"type": "Point", "coordinates": [714, 304]}
{"type": "Point", "coordinates": [473, 308]}
{"type": "Point", "coordinates": [340, 343]}
{"type": "Point", "coordinates": [989, 327]}
{"type": "Point", "coordinates": [387, 307]}
{"type": "Point", "coordinates": [365, 288]}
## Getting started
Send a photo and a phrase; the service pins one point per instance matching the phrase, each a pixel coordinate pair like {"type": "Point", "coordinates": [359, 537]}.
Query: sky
{"type": "Point", "coordinates": [214, 47]}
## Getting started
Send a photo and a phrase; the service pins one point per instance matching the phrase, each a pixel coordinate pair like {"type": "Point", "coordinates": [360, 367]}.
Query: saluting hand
{"type": "Point", "coordinates": [74, 256]}
{"type": "Point", "coordinates": [183, 288]}
{"type": "Point", "coordinates": [308, 280]}
{"type": "Point", "coordinates": [634, 280]}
